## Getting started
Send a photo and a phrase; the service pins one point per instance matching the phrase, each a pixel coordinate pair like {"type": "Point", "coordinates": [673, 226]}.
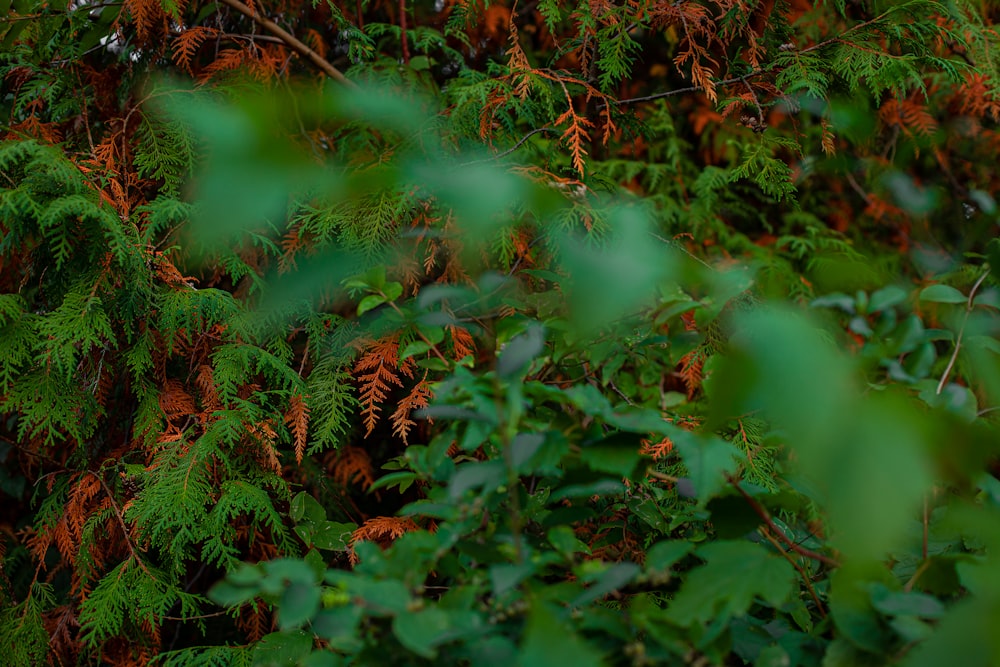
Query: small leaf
{"type": "Point", "coordinates": [520, 351]}
{"type": "Point", "coordinates": [369, 302]}
{"type": "Point", "coordinates": [942, 294]}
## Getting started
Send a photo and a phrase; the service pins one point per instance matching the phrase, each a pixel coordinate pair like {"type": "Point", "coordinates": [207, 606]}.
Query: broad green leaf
{"type": "Point", "coordinates": [548, 642]}
{"type": "Point", "coordinates": [422, 631]}
{"type": "Point", "coordinates": [506, 576]}
{"type": "Point", "coordinates": [332, 535]}
{"type": "Point", "coordinates": [942, 294]}
{"type": "Point", "coordinates": [369, 302]}
{"type": "Point", "coordinates": [708, 461]}
{"type": "Point", "coordinates": [282, 649]}
{"type": "Point", "coordinates": [617, 454]}
{"type": "Point", "coordinates": [734, 576]}
{"type": "Point", "coordinates": [519, 352]}
{"type": "Point", "coordinates": [565, 541]}
{"type": "Point", "coordinates": [664, 554]}
{"type": "Point", "coordinates": [298, 604]}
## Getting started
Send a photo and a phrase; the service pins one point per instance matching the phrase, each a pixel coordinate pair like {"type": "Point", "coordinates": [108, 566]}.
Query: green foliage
{"type": "Point", "coordinates": [589, 333]}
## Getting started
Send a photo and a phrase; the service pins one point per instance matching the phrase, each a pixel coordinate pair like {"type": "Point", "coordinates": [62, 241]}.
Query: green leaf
{"type": "Point", "coordinates": [905, 603]}
{"type": "Point", "coordinates": [663, 555]}
{"type": "Point", "coordinates": [422, 631]}
{"type": "Point", "coordinates": [547, 642]}
{"type": "Point", "coordinates": [709, 461]}
{"type": "Point", "coordinates": [369, 302]}
{"type": "Point", "coordinates": [333, 536]}
{"type": "Point", "coordinates": [565, 541]}
{"type": "Point", "coordinates": [306, 508]}
{"type": "Point", "coordinates": [298, 604]}
{"type": "Point", "coordinates": [617, 454]}
{"type": "Point", "coordinates": [942, 294]}
{"type": "Point", "coordinates": [413, 348]}
{"type": "Point", "coordinates": [505, 576]}
{"type": "Point", "coordinates": [381, 597]}
{"type": "Point", "coordinates": [520, 351]}
{"type": "Point", "coordinates": [734, 576]}
{"type": "Point", "coordinates": [282, 649]}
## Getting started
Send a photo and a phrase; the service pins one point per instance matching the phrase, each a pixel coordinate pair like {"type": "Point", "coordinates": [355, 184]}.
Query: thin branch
{"type": "Point", "coordinates": [805, 576]}
{"type": "Point", "coordinates": [520, 142]}
{"type": "Point", "coordinates": [961, 331]}
{"type": "Point", "coordinates": [689, 89]}
{"type": "Point", "coordinates": [765, 516]}
{"type": "Point", "coordinates": [289, 39]}
{"type": "Point", "coordinates": [121, 520]}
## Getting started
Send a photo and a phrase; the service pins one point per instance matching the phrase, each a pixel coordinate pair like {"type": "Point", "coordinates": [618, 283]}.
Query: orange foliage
{"type": "Point", "coordinates": [352, 466]}
{"type": "Point", "coordinates": [297, 418]}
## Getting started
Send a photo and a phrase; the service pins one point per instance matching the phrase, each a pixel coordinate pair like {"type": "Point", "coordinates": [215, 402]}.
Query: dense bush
{"type": "Point", "coordinates": [461, 333]}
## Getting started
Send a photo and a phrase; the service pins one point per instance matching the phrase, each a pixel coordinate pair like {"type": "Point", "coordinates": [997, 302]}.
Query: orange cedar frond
{"type": "Point", "coordinates": [265, 435]}
{"type": "Point", "coordinates": [187, 43]}
{"type": "Point", "coordinates": [418, 398]}
{"type": "Point", "coordinates": [297, 419]}
{"type": "Point", "coordinates": [977, 97]}
{"type": "Point", "coordinates": [517, 61]}
{"type": "Point", "coordinates": [252, 619]}
{"type": "Point", "coordinates": [227, 59]}
{"type": "Point", "coordinates": [376, 370]}
{"type": "Point", "coordinates": [462, 344]}
{"type": "Point", "coordinates": [575, 136]}
{"type": "Point", "coordinates": [910, 115]}
{"type": "Point", "coordinates": [148, 15]}
{"type": "Point", "coordinates": [383, 530]}
{"type": "Point", "coordinates": [205, 381]}
{"type": "Point", "coordinates": [175, 401]}
{"type": "Point", "coordinates": [829, 147]}
{"type": "Point", "coordinates": [353, 466]}
{"type": "Point", "coordinates": [692, 364]}
{"type": "Point", "coordinates": [657, 450]}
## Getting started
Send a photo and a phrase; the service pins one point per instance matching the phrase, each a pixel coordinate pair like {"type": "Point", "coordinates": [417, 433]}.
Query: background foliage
{"type": "Point", "coordinates": [480, 333]}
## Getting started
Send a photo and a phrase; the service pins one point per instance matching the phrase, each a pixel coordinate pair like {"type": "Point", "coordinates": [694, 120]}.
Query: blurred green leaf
{"type": "Point", "coordinates": [548, 642]}
{"type": "Point", "coordinates": [942, 294]}
{"type": "Point", "coordinates": [734, 576]}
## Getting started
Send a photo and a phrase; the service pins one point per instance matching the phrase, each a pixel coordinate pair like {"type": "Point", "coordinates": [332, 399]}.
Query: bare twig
{"type": "Point", "coordinates": [289, 39]}
{"type": "Point", "coordinates": [961, 331]}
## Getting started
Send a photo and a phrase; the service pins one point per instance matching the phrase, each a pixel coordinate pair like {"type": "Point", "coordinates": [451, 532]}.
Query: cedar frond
{"type": "Point", "coordinates": [297, 419]}
{"type": "Point", "coordinates": [205, 381]}
{"type": "Point", "coordinates": [462, 344]}
{"type": "Point", "coordinates": [351, 466]}
{"type": "Point", "coordinates": [148, 16]}
{"type": "Point", "coordinates": [692, 364]}
{"type": "Point", "coordinates": [575, 136]}
{"type": "Point", "coordinates": [227, 59]}
{"type": "Point", "coordinates": [383, 530]}
{"type": "Point", "coordinates": [657, 450]}
{"type": "Point", "coordinates": [418, 398]}
{"type": "Point", "coordinates": [375, 371]}
{"type": "Point", "coordinates": [175, 401]}
{"type": "Point", "coordinates": [187, 43]}
{"type": "Point", "coordinates": [517, 61]}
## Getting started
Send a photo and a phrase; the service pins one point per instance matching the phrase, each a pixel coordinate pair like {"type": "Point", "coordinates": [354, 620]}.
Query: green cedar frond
{"type": "Point", "coordinates": [23, 636]}
{"type": "Point", "coordinates": [165, 151]}
{"type": "Point", "coordinates": [127, 596]}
